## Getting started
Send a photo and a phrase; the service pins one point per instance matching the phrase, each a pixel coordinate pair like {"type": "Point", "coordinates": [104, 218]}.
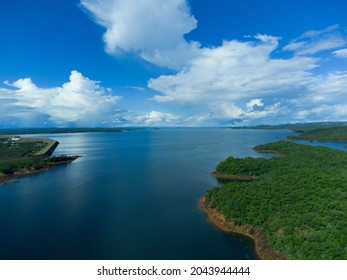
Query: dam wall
{"type": "Point", "coordinates": [49, 149]}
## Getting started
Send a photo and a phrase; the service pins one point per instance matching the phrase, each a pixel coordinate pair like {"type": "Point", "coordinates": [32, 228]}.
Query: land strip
{"type": "Point", "coordinates": [21, 156]}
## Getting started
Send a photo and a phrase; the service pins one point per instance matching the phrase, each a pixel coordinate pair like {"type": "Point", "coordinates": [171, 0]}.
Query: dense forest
{"type": "Point", "coordinates": [299, 200]}
{"type": "Point", "coordinates": [332, 134]}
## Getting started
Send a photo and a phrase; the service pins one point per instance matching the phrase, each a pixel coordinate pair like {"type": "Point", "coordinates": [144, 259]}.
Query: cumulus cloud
{"type": "Point", "coordinates": [315, 41]}
{"type": "Point", "coordinates": [254, 102]}
{"type": "Point", "coordinates": [329, 90]}
{"type": "Point", "coordinates": [241, 81]}
{"type": "Point", "coordinates": [154, 29]}
{"type": "Point", "coordinates": [325, 99]}
{"type": "Point", "coordinates": [238, 81]}
{"type": "Point", "coordinates": [156, 118]}
{"type": "Point", "coordinates": [235, 72]}
{"type": "Point", "coordinates": [80, 101]}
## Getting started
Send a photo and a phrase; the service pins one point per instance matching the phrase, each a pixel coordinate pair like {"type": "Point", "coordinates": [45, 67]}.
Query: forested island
{"type": "Point", "coordinates": [20, 156]}
{"type": "Point", "coordinates": [294, 206]}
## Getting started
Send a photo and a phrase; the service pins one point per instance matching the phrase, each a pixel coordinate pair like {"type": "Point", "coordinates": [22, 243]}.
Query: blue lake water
{"type": "Point", "coordinates": [132, 195]}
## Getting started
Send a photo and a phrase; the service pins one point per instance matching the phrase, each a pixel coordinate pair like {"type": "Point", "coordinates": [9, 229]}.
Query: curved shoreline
{"type": "Point", "coordinates": [262, 247]}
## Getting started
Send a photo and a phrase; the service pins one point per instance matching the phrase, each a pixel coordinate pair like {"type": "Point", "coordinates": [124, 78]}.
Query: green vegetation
{"type": "Point", "coordinates": [298, 127]}
{"type": "Point", "coordinates": [299, 200]}
{"type": "Point", "coordinates": [17, 149]}
{"type": "Point", "coordinates": [19, 157]}
{"type": "Point", "coordinates": [30, 164]}
{"type": "Point", "coordinates": [244, 166]}
{"type": "Point", "coordinates": [332, 134]}
{"type": "Point", "coordinates": [60, 159]}
{"type": "Point", "coordinates": [10, 166]}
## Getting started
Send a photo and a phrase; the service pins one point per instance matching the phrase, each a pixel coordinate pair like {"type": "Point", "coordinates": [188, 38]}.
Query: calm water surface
{"type": "Point", "coordinates": [132, 195]}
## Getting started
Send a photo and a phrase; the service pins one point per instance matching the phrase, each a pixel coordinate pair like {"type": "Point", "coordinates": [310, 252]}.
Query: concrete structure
{"type": "Point", "coordinates": [49, 149]}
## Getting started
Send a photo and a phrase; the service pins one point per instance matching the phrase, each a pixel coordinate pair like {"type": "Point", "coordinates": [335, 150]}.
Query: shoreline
{"type": "Point", "coordinates": [51, 164]}
{"type": "Point", "coordinates": [4, 180]}
{"type": "Point", "coordinates": [262, 247]}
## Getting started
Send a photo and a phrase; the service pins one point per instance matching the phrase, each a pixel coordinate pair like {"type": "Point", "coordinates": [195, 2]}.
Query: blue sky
{"type": "Point", "coordinates": [70, 63]}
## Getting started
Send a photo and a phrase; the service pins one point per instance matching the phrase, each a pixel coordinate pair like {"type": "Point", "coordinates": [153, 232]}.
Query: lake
{"type": "Point", "coordinates": [132, 195]}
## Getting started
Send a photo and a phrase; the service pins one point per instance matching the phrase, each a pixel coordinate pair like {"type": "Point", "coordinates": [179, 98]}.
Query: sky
{"type": "Point", "coordinates": [193, 63]}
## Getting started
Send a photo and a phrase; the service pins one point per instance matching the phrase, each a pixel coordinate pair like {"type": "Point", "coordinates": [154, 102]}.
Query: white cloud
{"type": "Point", "coordinates": [254, 102]}
{"type": "Point", "coordinates": [155, 118]}
{"type": "Point", "coordinates": [328, 43]}
{"type": "Point", "coordinates": [341, 53]}
{"type": "Point", "coordinates": [224, 109]}
{"type": "Point", "coordinates": [330, 89]}
{"type": "Point", "coordinates": [325, 99]}
{"type": "Point", "coordinates": [80, 101]}
{"type": "Point", "coordinates": [241, 81]}
{"type": "Point", "coordinates": [323, 112]}
{"type": "Point", "coordinates": [23, 84]}
{"type": "Point", "coordinates": [152, 28]}
{"type": "Point", "coordinates": [316, 33]}
{"type": "Point", "coordinates": [315, 41]}
{"type": "Point", "coordinates": [236, 71]}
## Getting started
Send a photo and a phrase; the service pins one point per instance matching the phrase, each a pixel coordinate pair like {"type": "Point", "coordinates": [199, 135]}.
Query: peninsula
{"type": "Point", "coordinates": [295, 207]}
{"type": "Point", "coordinates": [21, 156]}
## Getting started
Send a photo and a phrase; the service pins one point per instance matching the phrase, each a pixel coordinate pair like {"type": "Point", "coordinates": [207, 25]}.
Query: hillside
{"type": "Point", "coordinates": [298, 200]}
{"type": "Point", "coordinates": [332, 134]}
{"type": "Point", "coordinates": [298, 127]}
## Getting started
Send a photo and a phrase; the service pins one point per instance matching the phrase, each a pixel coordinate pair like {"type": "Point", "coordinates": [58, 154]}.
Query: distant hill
{"type": "Point", "coordinates": [298, 127]}
{"type": "Point", "coordinates": [331, 134]}
{"type": "Point", "coordinates": [20, 131]}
